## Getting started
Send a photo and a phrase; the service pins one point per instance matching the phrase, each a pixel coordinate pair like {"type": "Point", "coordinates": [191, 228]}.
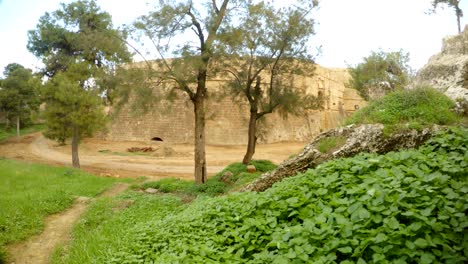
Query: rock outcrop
{"type": "Point", "coordinates": [362, 138]}
{"type": "Point", "coordinates": [448, 70]}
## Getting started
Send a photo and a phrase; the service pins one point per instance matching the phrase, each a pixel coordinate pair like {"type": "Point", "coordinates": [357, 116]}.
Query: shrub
{"type": "Point", "coordinates": [405, 207]}
{"type": "Point", "coordinates": [167, 185]}
{"type": "Point", "coordinates": [214, 185]}
{"type": "Point", "coordinates": [417, 108]}
{"type": "Point", "coordinates": [380, 73]}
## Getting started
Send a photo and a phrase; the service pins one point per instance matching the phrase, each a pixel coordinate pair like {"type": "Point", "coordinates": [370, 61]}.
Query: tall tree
{"type": "Point", "coordinates": [18, 95]}
{"type": "Point", "coordinates": [79, 48]}
{"type": "Point", "coordinates": [181, 20]}
{"type": "Point", "coordinates": [455, 4]}
{"type": "Point", "coordinates": [267, 48]}
{"type": "Point", "coordinates": [380, 73]}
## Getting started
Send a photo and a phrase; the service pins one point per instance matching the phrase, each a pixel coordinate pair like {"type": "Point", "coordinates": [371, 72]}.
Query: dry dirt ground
{"type": "Point", "coordinates": [38, 249]}
{"type": "Point", "coordinates": [110, 158]}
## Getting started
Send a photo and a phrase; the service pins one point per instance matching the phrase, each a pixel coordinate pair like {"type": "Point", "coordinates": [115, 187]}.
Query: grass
{"type": "Point", "coordinates": [11, 132]}
{"type": "Point", "coordinates": [408, 109]}
{"type": "Point", "coordinates": [108, 224]}
{"type": "Point", "coordinates": [29, 192]}
{"type": "Point", "coordinates": [327, 144]}
{"type": "Point", "coordinates": [215, 185]}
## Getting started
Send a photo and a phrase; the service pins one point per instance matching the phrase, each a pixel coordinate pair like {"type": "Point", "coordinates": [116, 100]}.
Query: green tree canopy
{"type": "Point", "coordinates": [18, 94]}
{"type": "Point", "coordinates": [380, 73]}
{"type": "Point", "coordinates": [80, 50]}
{"type": "Point", "coordinates": [266, 48]}
{"type": "Point", "coordinates": [71, 112]}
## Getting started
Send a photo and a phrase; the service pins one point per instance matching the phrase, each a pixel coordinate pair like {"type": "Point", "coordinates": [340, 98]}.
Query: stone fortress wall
{"type": "Point", "coordinates": [227, 119]}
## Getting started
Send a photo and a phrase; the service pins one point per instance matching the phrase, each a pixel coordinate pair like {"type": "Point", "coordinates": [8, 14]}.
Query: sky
{"type": "Point", "coordinates": [346, 30]}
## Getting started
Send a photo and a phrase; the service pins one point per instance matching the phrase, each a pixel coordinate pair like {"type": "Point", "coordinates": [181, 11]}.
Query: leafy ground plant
{"type": "Point", "coordinates": [405, 207]}
{"type": "Point", "coordinates": [408, 109]}
{"type": "Point", "coordinates": [29, 192]}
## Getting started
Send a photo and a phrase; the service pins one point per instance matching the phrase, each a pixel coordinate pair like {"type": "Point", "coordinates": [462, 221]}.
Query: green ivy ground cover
{"type": "Point", "coordinates": [405, 207]}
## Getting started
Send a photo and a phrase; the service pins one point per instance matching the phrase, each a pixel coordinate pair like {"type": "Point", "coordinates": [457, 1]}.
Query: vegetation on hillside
{"type": "Point", "coordinates": [29, 192]}
{"type": "Point", "coordinates": [380, 73]}
{"type": "Point", "coordinates": [408, 109]}
{"type": "Point", "coordinates": [215, 185]}
{"type": "Point", "coordinates": [404, 207]}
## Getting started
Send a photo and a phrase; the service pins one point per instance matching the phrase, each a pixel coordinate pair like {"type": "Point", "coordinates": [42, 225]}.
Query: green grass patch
{"type": "Point", "coordinates": [408, 109]}
{"type": "Point", "coordinates": [401, 207]}
{"type": "Point", "coordinates": [11, 132]}
{"type": "Point", "coordinates": [215, 185]}
{"type": "Point", "coordinates": [168, 185]}
{"type": "Point", "coordinates": [108, 225]}
{"type": "Point", "coordinates": [328, 144]}
{"type": "Point", "coordinates": [29, 192]}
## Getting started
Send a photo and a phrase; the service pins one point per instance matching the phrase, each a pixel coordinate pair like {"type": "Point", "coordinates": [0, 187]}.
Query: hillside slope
{"type": "Point", "coordinates": [401, 207]}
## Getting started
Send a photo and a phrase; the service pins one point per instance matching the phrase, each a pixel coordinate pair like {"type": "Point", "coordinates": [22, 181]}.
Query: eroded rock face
{"type": "Point", "coordinates": [448, 70]}
{"type": "Point", "coordinates": [362, 138]}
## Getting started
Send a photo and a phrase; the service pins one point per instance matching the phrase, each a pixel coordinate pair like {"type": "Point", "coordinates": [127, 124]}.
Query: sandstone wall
{"type": "Point", "coordinates": [227, 119]}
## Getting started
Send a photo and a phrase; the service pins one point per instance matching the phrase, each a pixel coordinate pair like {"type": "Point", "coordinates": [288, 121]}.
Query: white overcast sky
{"type": "Point", "coordinates": [347, 30]}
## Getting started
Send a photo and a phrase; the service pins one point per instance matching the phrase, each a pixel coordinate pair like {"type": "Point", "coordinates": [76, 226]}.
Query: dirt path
{"type": "Point", "coordinates": [39, 248]}
{"type": "Point", "coordinates": [111, 158]}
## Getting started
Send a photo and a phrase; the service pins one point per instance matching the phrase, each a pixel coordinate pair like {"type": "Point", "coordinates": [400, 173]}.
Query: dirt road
{"type": "Point", "coordinates": [110, 158]}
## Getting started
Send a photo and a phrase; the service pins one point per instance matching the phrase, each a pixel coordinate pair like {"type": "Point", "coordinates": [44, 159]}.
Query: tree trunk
{"type": "Point", "coordinates": [200, 157]}
{"type": "Point", "coordinates": [75, 144]}
{"type": "Point", "coordinates": [18, 126]}
{"type": "Point", "coordinates": [458, 23]}
{"type": "Point", "coordinates": [252, 141]}
{"type": "Point", "coordinates": [7, 121]}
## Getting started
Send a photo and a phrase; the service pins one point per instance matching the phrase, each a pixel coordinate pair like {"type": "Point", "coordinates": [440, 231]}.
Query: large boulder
{"type": "Point", "coordinates": [448, 70]}
{"type": "Point", "coordinates": [357, 139]}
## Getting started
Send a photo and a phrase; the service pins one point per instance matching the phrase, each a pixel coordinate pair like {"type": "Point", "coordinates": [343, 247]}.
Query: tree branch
{"type": "Point", "coordinates": [219, 19]}
{"type": "Point", "coordinates": [198, 27]}
{"type": "Point", "coordinates": [215, 7]}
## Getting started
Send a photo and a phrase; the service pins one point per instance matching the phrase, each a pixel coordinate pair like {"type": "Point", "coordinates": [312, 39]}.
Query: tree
{"type": "Point", "coordinates": [380, 73]}
{"type": "Point", "coordinates": [266, 49]}
{"type": "Point", "coordinates": [71, 110]}
{"type": "Point", "coordinates": [79, 48]}
{"type": "Point", "coordinates": [18, 95]}
{"type": "Point", "coordinates": [189, 70]}
{"type": "Point", "coordinates": [455, 4]}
